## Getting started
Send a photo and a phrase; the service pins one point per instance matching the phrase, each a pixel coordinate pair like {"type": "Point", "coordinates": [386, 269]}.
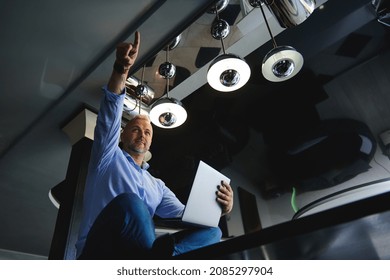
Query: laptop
{"type": "Point", "coordinates": [202, 208]}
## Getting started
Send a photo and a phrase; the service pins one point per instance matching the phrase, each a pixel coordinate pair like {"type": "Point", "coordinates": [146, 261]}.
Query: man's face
{"type": "Point", "coordinates": [137, 136]}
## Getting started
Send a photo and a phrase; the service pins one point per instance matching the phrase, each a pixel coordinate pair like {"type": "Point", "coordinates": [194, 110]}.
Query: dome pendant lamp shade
{"type": "Point", "coordinates": [228, 72]}
{"type": "Point", "coordinates": [168, 112]}
{"type": "Point", "coordinates": [281, 63]}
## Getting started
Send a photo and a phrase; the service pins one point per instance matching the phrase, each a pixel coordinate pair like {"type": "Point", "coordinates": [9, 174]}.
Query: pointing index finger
{"type": "Point", "coordinates": [137, 40]}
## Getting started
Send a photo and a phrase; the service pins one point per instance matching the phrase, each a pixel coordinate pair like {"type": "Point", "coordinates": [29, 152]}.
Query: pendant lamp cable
{"type": "Point", "coordinates": [268, 27]}
{"type": "Point", "coordinates": [167, 76]}
{"type": "Point", "coordinates": [221, 37]}
{"type": "Point", "coordinates": [142, 83]}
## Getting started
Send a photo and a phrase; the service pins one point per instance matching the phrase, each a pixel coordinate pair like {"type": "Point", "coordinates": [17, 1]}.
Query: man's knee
{"type": "Point", "coordinates": [128, 203]}
{"type": "Point", "coordinates": [215, 233]}
{"type": "Point", "coordinates": [126, 199]}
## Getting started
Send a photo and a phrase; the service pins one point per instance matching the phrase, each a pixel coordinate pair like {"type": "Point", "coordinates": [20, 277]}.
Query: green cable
{"type": "Point", "coordinates": [293, 201]}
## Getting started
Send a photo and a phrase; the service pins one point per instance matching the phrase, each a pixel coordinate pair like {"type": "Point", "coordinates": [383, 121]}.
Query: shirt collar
{"type": "Point", "coordinates": [144, 165]}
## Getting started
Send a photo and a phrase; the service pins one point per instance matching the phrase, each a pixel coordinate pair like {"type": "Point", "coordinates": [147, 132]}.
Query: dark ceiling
{"type": "Point", "coordinates": [56, 55]}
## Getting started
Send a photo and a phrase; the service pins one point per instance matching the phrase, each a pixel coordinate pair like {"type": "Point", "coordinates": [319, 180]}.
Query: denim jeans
{"type": "Point", "coordinates": [125, 230]}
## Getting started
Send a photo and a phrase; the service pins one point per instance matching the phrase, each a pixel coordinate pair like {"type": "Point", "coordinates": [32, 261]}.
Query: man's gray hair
{"type": "Point", "coordinates": [139, 116]}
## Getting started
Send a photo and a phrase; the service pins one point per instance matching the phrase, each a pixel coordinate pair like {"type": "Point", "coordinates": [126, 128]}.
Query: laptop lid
{"type": "Point", "coordinates": [202, 207]}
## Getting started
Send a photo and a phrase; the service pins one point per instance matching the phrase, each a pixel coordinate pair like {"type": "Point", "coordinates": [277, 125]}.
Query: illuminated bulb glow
{"type": "Point", "coordinates": [277, 55]}
{"type": "Point", "coordinates": [224, 63]}
{"type": "Point", "coordinates": [168, 105]}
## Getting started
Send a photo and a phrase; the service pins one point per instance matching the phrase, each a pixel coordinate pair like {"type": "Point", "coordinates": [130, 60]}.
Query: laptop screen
{"type": "Point", "coordinates": [202, 207]}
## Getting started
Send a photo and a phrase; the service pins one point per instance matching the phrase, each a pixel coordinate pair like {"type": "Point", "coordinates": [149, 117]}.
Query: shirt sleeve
{"type": "Point", "coordinates": [108, 125]}
{"type": "Point", "coordinates": [170, 206]}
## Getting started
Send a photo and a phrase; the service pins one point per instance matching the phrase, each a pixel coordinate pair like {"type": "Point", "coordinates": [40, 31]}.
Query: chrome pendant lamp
{"type": "Point", "coordinates": [282, 62]}
{"type": "Point", "coordinates": [227, 72]}
{"type": "Point", "coordinates": [290, 13]}
{"type": "Point", "coordinates": [142, 93]}
{"type": "Point", "coordinates": [167, 112]}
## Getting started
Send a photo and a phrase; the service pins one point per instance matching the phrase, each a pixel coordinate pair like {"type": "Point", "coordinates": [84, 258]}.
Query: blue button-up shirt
{"type": "Point", "coordinates": [113, 171]}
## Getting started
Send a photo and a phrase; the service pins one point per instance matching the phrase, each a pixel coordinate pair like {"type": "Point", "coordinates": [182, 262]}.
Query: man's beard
{"type": "Point", "coordinates": [132, 147]}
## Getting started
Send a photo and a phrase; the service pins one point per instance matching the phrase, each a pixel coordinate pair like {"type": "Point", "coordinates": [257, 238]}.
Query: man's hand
{"type": "Point", "coordinates": [225, 197]}
{"type": "Point", "coordinates": [126, 54]}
